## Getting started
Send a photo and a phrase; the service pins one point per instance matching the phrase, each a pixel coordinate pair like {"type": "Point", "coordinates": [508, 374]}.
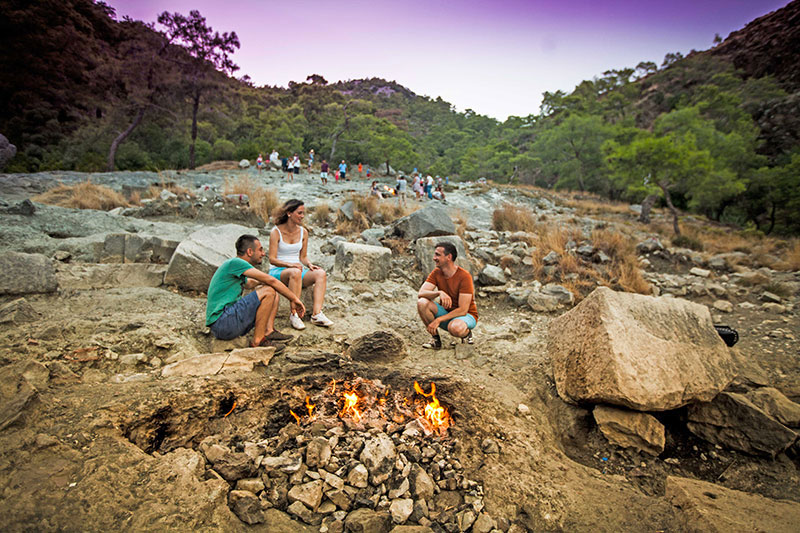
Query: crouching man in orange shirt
{"type": "Point", "coordinates": [456, 311]}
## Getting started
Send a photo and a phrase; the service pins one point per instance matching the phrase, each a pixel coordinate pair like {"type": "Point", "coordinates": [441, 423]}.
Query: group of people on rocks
{"type": "Point", "coordinates": [230, 313]}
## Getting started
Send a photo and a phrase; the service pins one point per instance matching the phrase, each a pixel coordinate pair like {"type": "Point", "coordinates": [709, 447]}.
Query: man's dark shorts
{"type": "Point", "coordinates": [237, 319]}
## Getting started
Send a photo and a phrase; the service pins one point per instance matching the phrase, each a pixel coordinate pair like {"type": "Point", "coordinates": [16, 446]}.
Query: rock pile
{"type": "Point", "coordinates": [327, 475]}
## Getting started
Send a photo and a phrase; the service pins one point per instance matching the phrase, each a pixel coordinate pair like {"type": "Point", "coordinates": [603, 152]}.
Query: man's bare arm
{"type": "Point", "coordinates": [264, 278]}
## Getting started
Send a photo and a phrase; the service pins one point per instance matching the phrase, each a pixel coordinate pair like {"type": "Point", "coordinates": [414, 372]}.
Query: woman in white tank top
{"type": "Point", "coordinates": [288, 247]}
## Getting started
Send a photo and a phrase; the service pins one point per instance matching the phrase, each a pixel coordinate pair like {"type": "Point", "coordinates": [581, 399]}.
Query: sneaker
{"type": "Point", "coordinates": [280, 337]}
{"type": "Point", "coordinates": [266, 343]}
{"type": "Point", "coordinates": [296, 322]}
{"type": "Point", "coordinates": [434, 344]}
{"type": "Point", "coordinates": [321, 320]}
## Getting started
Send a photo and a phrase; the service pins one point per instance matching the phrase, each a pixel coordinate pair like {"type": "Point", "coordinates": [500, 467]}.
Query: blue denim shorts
{"type": "Point", "coordinates": [275, 272]}
{"type": "Point", "coordinates": [468, 319]}
{"type": "Point", "coordinates": [238, 318]}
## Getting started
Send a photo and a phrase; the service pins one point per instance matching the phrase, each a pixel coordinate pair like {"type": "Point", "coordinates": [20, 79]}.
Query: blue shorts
{"type": "Point", "coordinates": [237, 319]}
{"type": "Point", "coordinates": [468, 319]}
{"type": "Point", "coordinates": [275, 272]}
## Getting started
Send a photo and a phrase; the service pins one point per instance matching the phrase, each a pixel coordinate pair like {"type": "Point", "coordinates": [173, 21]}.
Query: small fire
{"type": "Point", "coordinates": [435, 413]}
{"type": "Point", "coordinates": [310, 406]}
{"type": "Point", "coordinates": [350, 409]}
{"type": "Point", "coordinates": [295, 416]}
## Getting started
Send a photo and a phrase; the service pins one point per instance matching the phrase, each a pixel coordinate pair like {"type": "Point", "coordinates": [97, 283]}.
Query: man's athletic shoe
{"type": "Point", "coordinates": [321, 320]}
{"type": "Point", "coordinates": [280, 337]}
{"type": "Point", "coordinates": [434, 344]}
{"type": "Point", "coordinates": [296, 322]}
{"type": "Point", "coordinates": [266, 343]}
{"type": "Point", "coordinates": [469, 339]}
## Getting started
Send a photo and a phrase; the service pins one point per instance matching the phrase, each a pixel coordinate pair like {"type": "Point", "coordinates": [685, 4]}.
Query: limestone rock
{"type": "Point", "coordinates": [641, 352]}
{"type": "Point", "coordinates": [244, 163]}
{"type": "Point", "coordinates": [426, 246]}
{"type": "Point", "coordinates": [199, 255]}
{"type": "Point", "coordinates": [7, 151]}
{"type": "Point", "coordinates": [483, 524]}
{"type": "Point", "coordinates": [723, 306]}
{"type": "Point", "coordinates": [542, 303]}
{"type": "Point", "coordinates": [492, 275]}
{"type": "Point", "coordinates": [310, 494]}
{"type": "Point", "coordinates": [358, 476]}
{"type": "Point", "coordinates": [83, 276]}
{"type": "Point", "coordinates": [379, 455]}
{"type": "Point", "coordinates": [302, 512]}
{"type": "Point", "coordinates": [246, 506]}
{"type": "Point", "coordinates": [775, 404]}
{"type": "Point", "coordinates": [378, 346]}
{"type": "Point", "coordinates": [234, 466]}
{"type": "Point", "coordinates": [422, 486]}
{"type": "Point", "coordinates": [26, 274]}
{"type": "Point", "coordinates": [703, 273]}
{"type": "Point", "coordinates": [630, 429]}
{"type": "Point", "coordinates": [240, 360]}
{"type": "Point", "coordinates": [362, 262]}
{"type": "Point", "coordinates": [367, 521]}
{"type": "Point", "coordinates": [18, 311]}
{"type": "Point", "coordinates": [734, 421]}
{"type": "Point", "coordinates": [401, 509]}
{"type": "Point", "coordinates": [318, 452]}
{"type": "Point", "coordinates": [709, 508]}
{"type": "Point", "coordinates": [562, 294]}
{"type": "Point", "coordinates": [429, 221]}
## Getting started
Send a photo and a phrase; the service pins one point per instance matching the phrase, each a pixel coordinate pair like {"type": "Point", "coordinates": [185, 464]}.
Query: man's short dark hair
{"type": "Point", "coordinates": [244, 243]}
{"type": "Point", "coordinates": [449, 249]}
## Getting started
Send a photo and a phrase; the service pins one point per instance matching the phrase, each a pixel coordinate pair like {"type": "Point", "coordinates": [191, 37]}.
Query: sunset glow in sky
{"type": "Point", "coordinates": [496, 58]}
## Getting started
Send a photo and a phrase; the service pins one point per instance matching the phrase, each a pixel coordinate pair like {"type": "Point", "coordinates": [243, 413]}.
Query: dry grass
{"type": "Point", "coordinates": [322, 214]}
{"type": "Point", "coordinates": [262, 201]}
{"type": "Point", "coordinates": [369, 208]}
{"type": "Point", "coordinates": [460, 220]}
{"type": "Point", "coordinates": [219, 165]}
{"type": "Point", "coordinates": [84, 195]}
{"type": "Point", "coordinates": [510, 217]}
{"type": "Point", "coordinates": [591, 204]}
{"type": "Point", "coordinates": [580, 275]}
{"type": "Point", "coordinates": [793, 256]}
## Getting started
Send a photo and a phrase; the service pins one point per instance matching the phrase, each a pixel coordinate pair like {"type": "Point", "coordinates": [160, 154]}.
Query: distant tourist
{"type": "Point", "coordinates": [369, 172]}
{"type": "Point", "coordinates": [400, 188]}
{"type": "Point", "coordinates": [429, 186]}
{"type": "Point", "coordinates": [375, 190]}
{"type": "Point", "coordinates": [452, 285]}
{"type": "Point", "coordinates": [296, 164]}
{"type": "Point", "coordinates": [343, 170]}
{"type": "Point", "coordinates": [230, 315]}
{"type": "Point", "coordinates": [360, 170]}
{"type": "Point", "coordinates": [288, 247]}
{"type": "Point", "coordinates": [438, 194]}
{"type": "Point", "coordinates": [285, 164]}
{"type": "Point", "coordinates": [260, 163]}
{"type": "Point", "coordinates": [417, 186]}
{"type": "Point", "coordinates": [310, 160]}
{"type": "Point", "coordinates": [274, 158]}
{"type": "Point", "coordinates": [323, 174]}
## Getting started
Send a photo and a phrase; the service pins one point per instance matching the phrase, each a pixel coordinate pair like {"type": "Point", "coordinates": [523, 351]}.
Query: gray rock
{"type": "Point", "coordinates": [492, 275]}
{"type": "Point", "coordinates": [310, 494]}
{"type": "Point", "coordinates": [723, 306]}
{"type": "Point", "coordinates": [330, 246]}
{"type": "Point", "coordinates": [648, 246]}
{"type": "Point", "coordinates": [551, 258]}
{"type": "Point", "coordinates": [378, 346]}
{"type": "Point", "coordinates": [490, 446]}
{"type": "Point", "coordinates": [630, 429]}
{"type": "Point", "coordinates": [347, 210]}
{"type": "Point", "coordinates": [483, 524]}
{"type": "Point", "coordinates": [26, 274]}
{"type": "Point", "coordinates": [318, 453]}
{"type": "Point", "coordinates": [303, 513]}
{"type": "Point", "coordinates": [703, 273]}
{"type": "Point", "coordinates": [734, 421]}
{"type": "Point", "coordinates": [372, 236]}
{"type": "Point", "coordinates": [585, 249]}
{"type": "Point", "coordinates": [18, 311]}
{"type": "Point", "coordinates": [7, 151]}
{"type": "Point", "coordinates": [367, 521]}
{"type": "Point", "coordinates": [401, 509]}
{"type": "Point", "coordinates": [519, 297]}
{"type": "Point", "coordinates": [25, 208]}
{"type": "Point", "coordinates": [542, 303]}
{"type": "Point", "coordinates": [254, 485]}
{"type": "Point", "coordinates": [361, 262]}
{"type": "Point", "coordinates": [421, 484]}
{"type": "Point", "coordinates": [770, 297]}
{"type": "Point", "coordinates": [166, 195]}
{"type": "Point", "coordinates": [379, 455]}
{"type": "Point", "coordinates": [426, 246]}
{"type": "Point", "coordinates": [601, 257]}
{"type": "Point", "coordinates": [562, 294]}
{"type": "Point", "coordinates": [640, 352]}
{"type": "Point", "coordinates": [234, 466]}
{"type": "Point", "coordinates": [198, 256]}
{"type": "Point", "coordinates": [244, 163]}
{"type": "Point", "coordinates": [430, 221]}
{"type": "Point", "coordinates": [465, 519]}
{"type": "Point", "coordinates": [246, 506]}
{"type": "Point", "coordinates": [775, 404]}
{"type": "Point", "coordinates": [358, 476]}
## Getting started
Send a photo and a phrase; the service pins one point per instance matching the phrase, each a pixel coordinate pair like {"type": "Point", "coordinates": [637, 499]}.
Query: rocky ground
{"type": "Point", "coordinates": [96, 433]}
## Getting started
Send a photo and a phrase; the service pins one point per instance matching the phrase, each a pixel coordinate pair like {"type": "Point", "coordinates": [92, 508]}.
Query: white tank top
{"type": "Point", "coordinates": [289, 253]}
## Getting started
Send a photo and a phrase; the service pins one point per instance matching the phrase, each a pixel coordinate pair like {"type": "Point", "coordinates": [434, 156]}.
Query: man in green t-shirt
{"type": "Point", "coordinates": [229, 315]}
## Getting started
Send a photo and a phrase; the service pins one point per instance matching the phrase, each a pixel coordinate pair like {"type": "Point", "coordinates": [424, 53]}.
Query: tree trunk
{"type": "Point", "coordinates": [333, 145]}
{"type": "Point", "coordinates": [647, 205]}
{"type": "Point", "coordinates": [112, 152]}
{"type": "Point", "coordinates": [771, 219]}
{"type": "Point", "coordinates": [387, 167]}
{"type": "Point", "coordinates": [672, 209]}
{"type": "Point", "coordinates": [195, 107]}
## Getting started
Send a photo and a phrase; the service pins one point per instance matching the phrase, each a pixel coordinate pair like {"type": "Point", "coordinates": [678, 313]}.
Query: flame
{"type": "Point", "coordinates": [310, 407]}
{"type": "Point", "coordinates": [295, 417]}
{"type": "Point", "coordinates": [435, 413]}
{"type": "Point", "coordinates": [333, 387]}
{"type": "Point", "coordinates": [350, 409]}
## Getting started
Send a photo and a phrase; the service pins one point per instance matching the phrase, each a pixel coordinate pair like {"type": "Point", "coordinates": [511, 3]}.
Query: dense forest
{"type": "Point", "coordinates": [716, 132]}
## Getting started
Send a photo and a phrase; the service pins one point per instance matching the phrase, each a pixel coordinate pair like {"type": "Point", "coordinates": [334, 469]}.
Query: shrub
{"type": "Point", "coordinates": [262, 201]}
{"type": "Point", "coordinates": [84, 195]}
{"type": "Point", "coordinates": [223, 149]}
{"type": "Point", "coordinates": [686, 241]}
{"type": "Point", "coordinates": [793, 256]}
{"type": "Point", "coordinates": [322, 213]}
{"type": "Point", "coordinates": [511, 217]}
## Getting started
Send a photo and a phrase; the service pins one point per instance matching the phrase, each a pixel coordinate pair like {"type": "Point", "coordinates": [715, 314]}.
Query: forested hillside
{"type": "Point", "coordinates": [715, 132]}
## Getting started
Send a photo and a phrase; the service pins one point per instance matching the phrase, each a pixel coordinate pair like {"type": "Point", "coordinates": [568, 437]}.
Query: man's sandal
{"type": "Point", "coordinates": [434, 344]}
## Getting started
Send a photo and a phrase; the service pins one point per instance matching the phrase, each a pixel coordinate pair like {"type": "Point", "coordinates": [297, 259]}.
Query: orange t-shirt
{"type": "Point", "coordinates": [459, 283]}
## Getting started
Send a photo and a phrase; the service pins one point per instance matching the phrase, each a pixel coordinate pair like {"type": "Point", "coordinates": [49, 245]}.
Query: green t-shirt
{"type": "Point", "coordinates": [226, 287]}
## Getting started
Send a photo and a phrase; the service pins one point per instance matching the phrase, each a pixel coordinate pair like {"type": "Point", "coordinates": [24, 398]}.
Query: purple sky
{"type": "Point", "coordinates": [496, 58]}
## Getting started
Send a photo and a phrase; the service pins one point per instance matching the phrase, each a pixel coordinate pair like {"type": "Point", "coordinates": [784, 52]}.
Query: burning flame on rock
{"type": "Point", "coordinates": [435, 413]}
{"type": "Point", "coordinates": [350, 409]}
{"type": "Point", "coordinates": [310, 407]}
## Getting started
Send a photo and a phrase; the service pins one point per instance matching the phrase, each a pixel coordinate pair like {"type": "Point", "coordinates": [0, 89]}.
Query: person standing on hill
{"type": "Point", "coordinates": [230, 315]}
{"type": "Point", "coordinates": [456, 311]}
{"type": "Point", "coordinates": [274, 158]}
{"type": "Point", "coordinates": [323, 174]}
{"type": "Point", "coordinates": [400, 189]}
{"type": "Point", "coordinates": [310, 160]}
{"type": "Point", "coordinates": [429, 187]}
{"type": "Point", "coordinates": [296, 164]}
{"type": "Point", "coordinates": [360, 171]}
{"type": "Point", "coordinates": [260, 163]}
{"type": "Point", "coordinates": [343, 170]}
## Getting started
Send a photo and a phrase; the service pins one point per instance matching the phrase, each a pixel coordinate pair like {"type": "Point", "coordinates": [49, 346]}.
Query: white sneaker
{"type": "Point", "coordinates": [296, 322]}
{"type": "Point", "coordinates": [321, 320]}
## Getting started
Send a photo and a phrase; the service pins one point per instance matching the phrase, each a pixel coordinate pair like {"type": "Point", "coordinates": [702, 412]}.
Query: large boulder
{"type": "Point", "coordinates": [641, 352]}
{"type": "Point", "coordinates": [83, 276]}
{"type": "Point", "coordinates": [199, 255]}
{"type": "Point", "coordinates": [26, 274]}
{"type": "Point", "coordinates": [137, 248]}
{"type": "Point", "coordinates": [378, 346]}
{"type": "Point", "coordinates": [732, 420]}
{"type": "Point", "coordinates": [362, 262]}
{"type": "Point", "coordinates": [630, 429]}
{"type": "Point", "coordinates": [709, 508]}
{"type": "Point", "coordinates": [426, 245]}
{"type": "Point", "coordinates": [427, 222]}
{"type": "Point", "coordinates": [775, 404]}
